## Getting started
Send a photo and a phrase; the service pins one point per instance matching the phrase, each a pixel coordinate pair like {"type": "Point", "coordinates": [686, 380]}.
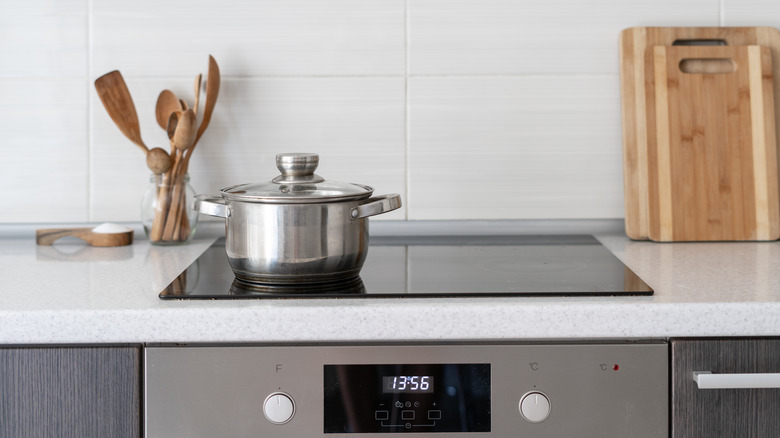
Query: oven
{"type": "Point", "coordinates": [491, 388]}
{"type": "Point", "coordinates": [486, 389]}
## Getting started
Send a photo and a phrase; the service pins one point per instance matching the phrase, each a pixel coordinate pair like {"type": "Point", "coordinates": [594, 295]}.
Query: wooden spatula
{"type": "Point", "coordinates": [116, 99]}
{"type": "Point", "coordinates": [213, 82]}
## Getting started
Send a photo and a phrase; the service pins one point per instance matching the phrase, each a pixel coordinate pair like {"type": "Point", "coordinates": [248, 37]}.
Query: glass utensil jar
{"type": "Point", "coordinates": [166, 210]}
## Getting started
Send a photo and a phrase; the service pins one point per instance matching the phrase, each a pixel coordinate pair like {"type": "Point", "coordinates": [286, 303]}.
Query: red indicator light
{"type": "Point", "coordinates": [616, 367]}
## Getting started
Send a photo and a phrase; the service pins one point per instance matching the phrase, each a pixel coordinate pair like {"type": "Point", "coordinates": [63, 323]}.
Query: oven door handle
{"type": "Point", "coordinates": [707, 380]}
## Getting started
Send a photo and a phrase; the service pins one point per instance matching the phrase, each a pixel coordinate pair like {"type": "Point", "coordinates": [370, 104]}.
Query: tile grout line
{"type": "Point", "coordinates": [406, 108]}
{"type": "Point", "coordinates": [407, 160]}
{"type": "Point", "coordinates": [90, 193]}
{"type": "Point", "coordinates": [261, 77]}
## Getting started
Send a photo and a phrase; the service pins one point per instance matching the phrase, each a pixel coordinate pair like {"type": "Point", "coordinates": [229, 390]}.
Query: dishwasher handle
{"type": "Point", "coordinates": [707, 380]}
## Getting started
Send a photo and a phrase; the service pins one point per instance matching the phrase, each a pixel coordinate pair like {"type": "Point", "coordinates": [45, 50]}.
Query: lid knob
{"type": "Point", "coordinates": [297, 164]}
{"type": "Point", "coordinates": [297, 168]}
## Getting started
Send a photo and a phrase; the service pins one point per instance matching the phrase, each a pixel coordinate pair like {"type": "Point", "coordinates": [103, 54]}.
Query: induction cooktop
{"type": "Point", "coordinates": [439, 266]}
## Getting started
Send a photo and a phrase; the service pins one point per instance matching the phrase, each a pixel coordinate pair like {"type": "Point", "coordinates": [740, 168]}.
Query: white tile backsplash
{"type": "Point", "coordinates": [509, 147]}
{"type": "Point", "coordinates": [249, 38]}
{"type": "Point", "coordinates": [45, 154]}
{"type": "Point", "coordinates": [471, 109]}
{"type": "Point", "coordinates": [751, 13]}
{"type": "Point", "coordinates": [477, 37]}
{"type": "Point", "coordinates": [43, 38]}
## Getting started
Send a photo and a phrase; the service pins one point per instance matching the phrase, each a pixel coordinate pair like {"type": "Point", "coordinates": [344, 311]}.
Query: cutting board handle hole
{"type": "Point", "coordinates": [707, 65]}
{"type": "Point", "coordinates": [699, 42]}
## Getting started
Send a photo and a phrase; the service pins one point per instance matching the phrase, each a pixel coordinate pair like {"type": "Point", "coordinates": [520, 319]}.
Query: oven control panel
{"type": "Point", "coordinates": [438, 390]}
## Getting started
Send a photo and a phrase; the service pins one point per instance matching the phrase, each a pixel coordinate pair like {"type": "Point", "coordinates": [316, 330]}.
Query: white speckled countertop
{"type": "Point", "coordinates": [73, 293]}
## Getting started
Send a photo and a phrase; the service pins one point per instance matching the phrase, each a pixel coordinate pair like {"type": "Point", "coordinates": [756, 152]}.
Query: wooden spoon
{"type": "Point", "coordinates": [158, 161]}
{"type": "Point", "coordinates": [93, 236]}
{"type": "Point", "coordinates": [181, 133]}
{"type": "Point", "coordinates": [116, 99]}
{"type": "Point", "coordinates": [184, 132]}
{"type": "Point", "coordinates": [167, 103]}
{"type": "Point", "coordinates": [173, 121]}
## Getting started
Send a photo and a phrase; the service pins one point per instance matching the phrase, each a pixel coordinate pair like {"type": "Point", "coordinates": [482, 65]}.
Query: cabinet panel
{"type": "Point", "coordinates": [713, 413]}
{"type": "Point", "coordinates": [70, 392]}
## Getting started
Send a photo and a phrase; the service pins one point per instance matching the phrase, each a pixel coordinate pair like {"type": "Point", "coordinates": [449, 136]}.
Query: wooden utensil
{"type": "Point", "coordinates": [158, 161]}
{"type": "Point", "coordinates": [712, 151]}
{"type": "Point", "coordinates": [170, 223]}
{"type": "Point", "coordinates": [181, 132]}
{"type": "Point", "coordinates": [184, 131]}
{"type": "Point", "coordinates": [213, 82]}
{"type": "Point", "coordinates": [113, 92]}
{"type": "Point", "coordinates": [173, 121]}
{"type": "Point", "coordinates": [196, 86]}
{"type": "Point", "coordinates": [633, 44]}
{"type": "Point", "coordinates": [167, 103]}
{"type": "Point", "coordinates": [183, 138]}
{"type": "Point", "coordinates": [164, 191]}
{"type": "Point", "coordinates": [48, 236]}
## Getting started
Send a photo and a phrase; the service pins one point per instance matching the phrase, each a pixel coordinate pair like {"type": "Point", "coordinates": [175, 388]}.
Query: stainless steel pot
{"type": "Point", "coordinates": [298, 227]}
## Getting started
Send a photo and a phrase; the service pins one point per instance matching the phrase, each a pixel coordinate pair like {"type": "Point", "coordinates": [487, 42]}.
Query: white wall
{"type": "Point", "coordinates": [471, 109]}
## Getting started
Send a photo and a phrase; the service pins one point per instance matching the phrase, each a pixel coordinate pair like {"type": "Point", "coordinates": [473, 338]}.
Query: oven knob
{"type": "Point", "coordinates": [534, 406]}
{"type": "Point", "coordinates": [278, 408]}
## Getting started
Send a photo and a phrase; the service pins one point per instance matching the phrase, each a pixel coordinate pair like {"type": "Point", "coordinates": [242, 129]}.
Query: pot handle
{"type": "Point", "coordinates": [377, 205]}
{"type": "Point", "coordinates": [212, 206]}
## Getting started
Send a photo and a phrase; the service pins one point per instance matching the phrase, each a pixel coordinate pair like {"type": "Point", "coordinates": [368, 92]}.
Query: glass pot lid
{"type": "Point", "coordinates": [298, 184]}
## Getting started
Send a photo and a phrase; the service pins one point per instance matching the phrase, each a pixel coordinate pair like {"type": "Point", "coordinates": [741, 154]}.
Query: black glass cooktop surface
{"type": "Point", "coordinates": [440, 266]}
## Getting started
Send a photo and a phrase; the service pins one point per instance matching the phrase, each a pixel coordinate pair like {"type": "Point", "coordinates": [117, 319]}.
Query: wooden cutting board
{"type": "Point", "coordinates": [712, 160]}
{"type": "Point", "coordinates": [633, 44]}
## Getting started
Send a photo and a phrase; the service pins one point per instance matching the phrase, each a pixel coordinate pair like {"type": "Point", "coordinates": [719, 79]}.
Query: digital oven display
{"type": "Point", "coordinates": [415, 398]}
{"type": "Point", "coordinates": [419, 384]}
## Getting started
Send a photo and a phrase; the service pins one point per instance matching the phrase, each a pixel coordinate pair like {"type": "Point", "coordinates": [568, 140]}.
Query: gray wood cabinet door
{"type": "Point", "coordinates": [70, 392]}
{"type": "Point", "coordinates": [733, 412]}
